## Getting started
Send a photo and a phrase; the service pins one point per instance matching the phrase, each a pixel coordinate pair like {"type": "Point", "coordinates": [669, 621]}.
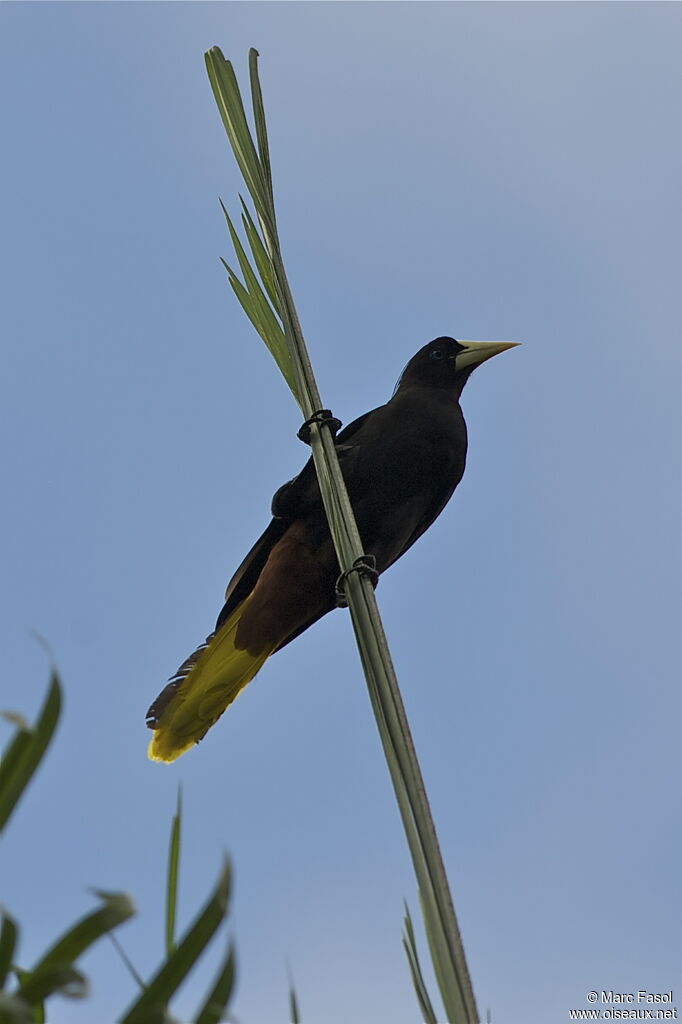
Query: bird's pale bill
{"type": "Point", "coordinates": [476, 352]}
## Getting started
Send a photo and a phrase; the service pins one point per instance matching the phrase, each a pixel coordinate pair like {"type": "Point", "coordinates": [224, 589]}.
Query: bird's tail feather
{"type": "Point", "coordinates": [202, 688]}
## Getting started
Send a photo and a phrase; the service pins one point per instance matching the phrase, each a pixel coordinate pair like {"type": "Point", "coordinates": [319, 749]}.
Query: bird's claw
{"type": "Point", "coordinates": [366, 565]}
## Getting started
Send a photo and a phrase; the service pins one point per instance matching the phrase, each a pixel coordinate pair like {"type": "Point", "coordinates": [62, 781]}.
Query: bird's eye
{"type": "Point", "coordinates": [437, 354]}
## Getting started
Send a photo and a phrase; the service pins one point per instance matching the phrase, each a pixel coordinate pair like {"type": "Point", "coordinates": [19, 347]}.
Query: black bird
{"type": "Point", "coordinates": [401, 463]}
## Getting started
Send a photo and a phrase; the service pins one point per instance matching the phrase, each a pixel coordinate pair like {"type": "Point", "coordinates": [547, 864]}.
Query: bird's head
{"type": "Point", "coordinates": [446, 363]}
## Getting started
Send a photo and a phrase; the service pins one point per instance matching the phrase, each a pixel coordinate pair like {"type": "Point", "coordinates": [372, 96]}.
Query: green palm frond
{"type": "Point", "coordinates": [266, 298]}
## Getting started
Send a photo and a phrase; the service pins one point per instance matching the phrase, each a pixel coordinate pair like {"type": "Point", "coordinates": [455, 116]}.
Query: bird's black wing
{"type": "Point", "coordinates": [348, 432]}
{"type": "Point", "coordinates": [246, 576]}
{"type": "Point", "coordinates": [429, 515]}
{"type": "Point", "coordinates": [293, 499]}
{"type": "Point", "coordinates": [299, 495]}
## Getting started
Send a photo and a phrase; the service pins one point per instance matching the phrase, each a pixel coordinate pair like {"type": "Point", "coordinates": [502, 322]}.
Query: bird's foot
{"type": "Point", "coordinates": [365, 565]}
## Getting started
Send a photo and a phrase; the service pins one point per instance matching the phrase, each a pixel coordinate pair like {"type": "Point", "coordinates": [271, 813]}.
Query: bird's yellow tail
{"type": "Point", "coordinates": [201, 690]}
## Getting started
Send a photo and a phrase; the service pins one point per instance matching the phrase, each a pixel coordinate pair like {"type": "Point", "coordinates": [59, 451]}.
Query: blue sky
{"type": "Point", "coordinates": [481, 170]}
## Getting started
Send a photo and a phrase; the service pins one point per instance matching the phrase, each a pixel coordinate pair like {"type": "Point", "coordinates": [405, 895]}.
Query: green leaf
{"type": "Point", "coordinates": [249, 305]}
{"type": "Point", "coordinates": [215, 1004]}
{"type": "Point", "coordinates": [9, 934]}
{"type": "Point", "coordinates": [26, 751]}
{"type": "Point", "coordinates": [227, 96]}
{"type": "Point", "coordinates": [55, 978]}
{"type": "Point", "coordinates": [263, 319]}
{"type": "Point", "coordinates": [116, 908]}
{"type": "Point", "coordinates": [14, 1010]}
{"type": "Point", "coordinates": [173, 972]}
{"type": "Point", "coordinates": [410, 947]}
{"type": "Point", "coordinates": [172, 886]}
{"type": "Point", "coordinates": [294, 1015]}
{"type": "Point", "coordinates": [259, 121]}
{"type": "Point", "coordinates": [250, 278]}
{"type": "Point", "coordinates": [261, 313]}
{"type": "Point", "coordinates": [262, 260]}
